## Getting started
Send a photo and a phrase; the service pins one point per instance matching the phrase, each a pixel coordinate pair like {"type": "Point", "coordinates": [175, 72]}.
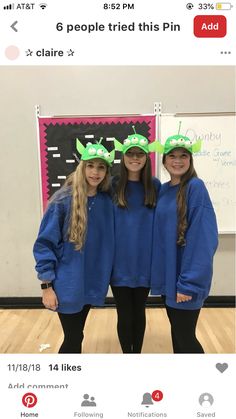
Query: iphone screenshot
{"type": "Point", "coordinates": [118, 209]}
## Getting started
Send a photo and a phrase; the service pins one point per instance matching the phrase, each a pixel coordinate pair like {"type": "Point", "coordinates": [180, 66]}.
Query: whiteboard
{"type": "Point", "coordinates": [215, 163]}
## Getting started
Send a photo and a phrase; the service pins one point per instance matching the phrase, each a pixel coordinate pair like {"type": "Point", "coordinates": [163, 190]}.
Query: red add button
{"type": "Point", "coordinates": [209, 26]}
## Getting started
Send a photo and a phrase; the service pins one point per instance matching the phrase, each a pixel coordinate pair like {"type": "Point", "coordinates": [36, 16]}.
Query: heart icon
{"type": "Point", "coordinates": [221, 367]}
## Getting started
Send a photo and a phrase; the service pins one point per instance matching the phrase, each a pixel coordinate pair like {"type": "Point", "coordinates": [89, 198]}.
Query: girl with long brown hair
{"type": "Point", "coordinates": [75, 246]}
{"type": "Point", "coordinates": [185, 240]}
{"type": "Point", "coordinates": [135, 195]}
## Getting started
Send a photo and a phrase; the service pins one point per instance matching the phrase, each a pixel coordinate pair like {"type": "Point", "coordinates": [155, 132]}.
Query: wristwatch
{"type": "Point", "coordinates": [46, 285]}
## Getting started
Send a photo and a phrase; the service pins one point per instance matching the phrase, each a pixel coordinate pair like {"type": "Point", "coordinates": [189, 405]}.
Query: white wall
{"type": "Point", "coordinates": [83, 90]}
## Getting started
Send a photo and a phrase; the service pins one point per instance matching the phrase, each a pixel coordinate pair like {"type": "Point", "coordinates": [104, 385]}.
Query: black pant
{"type": "Point", "coordinates": [130, 304]}
{"type": "Point", "coordinates": [183, 329]}
{"type": "Point", "coordinates": [73, 327]}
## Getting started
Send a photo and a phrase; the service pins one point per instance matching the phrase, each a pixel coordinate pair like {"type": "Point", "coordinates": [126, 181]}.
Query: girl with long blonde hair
{"type": "Point", "coordinates": [75, 244]}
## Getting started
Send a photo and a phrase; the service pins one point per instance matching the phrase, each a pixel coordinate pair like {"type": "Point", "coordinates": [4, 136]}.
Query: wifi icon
{"type": "Point", "coordinates": [43, 5]}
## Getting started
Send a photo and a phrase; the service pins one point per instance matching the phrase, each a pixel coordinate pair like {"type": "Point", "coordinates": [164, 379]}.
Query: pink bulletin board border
{"type": "Point", "coordinates": [44, 121]}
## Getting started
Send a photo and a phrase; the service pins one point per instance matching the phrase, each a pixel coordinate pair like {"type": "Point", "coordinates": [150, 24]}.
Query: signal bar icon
{"type": "Point", "coordinates": [9, 7]}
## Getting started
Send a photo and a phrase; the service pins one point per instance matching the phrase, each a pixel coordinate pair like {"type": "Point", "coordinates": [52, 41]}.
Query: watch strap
{"type": "Point", "coordinates": [46, 285]}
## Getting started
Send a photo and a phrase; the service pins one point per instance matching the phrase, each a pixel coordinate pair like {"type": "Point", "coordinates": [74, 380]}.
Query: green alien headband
{"type": "Point", "coordinates": [95, 151]}
{"type": "Point", "coordinates": [180, 141]}
{"type": "Point", "coordinates": [136, 140]}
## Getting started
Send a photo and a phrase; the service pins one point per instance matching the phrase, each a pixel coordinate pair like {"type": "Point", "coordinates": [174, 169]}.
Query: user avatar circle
{"type": "Point", "coordinates": [206, 400]}
{"type": "Point", "coordinates": [12, 52]}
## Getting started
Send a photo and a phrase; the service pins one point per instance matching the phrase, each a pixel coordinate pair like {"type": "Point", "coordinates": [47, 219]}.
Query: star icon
{"type": "Point", "coordinates": [70, 53]}
{"type": "Point", "coordinates": [29, 53]}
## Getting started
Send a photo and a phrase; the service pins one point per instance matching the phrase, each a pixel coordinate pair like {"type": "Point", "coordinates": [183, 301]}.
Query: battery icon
{"type": "Point", "coordinates": [224, 6]}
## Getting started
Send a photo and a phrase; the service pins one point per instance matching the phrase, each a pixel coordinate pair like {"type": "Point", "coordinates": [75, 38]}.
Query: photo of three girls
{"type": "Point", "coordinates": [133, 234]}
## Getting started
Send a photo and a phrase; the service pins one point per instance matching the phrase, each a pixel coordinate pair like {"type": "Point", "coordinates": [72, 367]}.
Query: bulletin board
{"type": "Point", "coordinates": [57, 143]}
{"type": "Point", "coordinates": [215, 164]}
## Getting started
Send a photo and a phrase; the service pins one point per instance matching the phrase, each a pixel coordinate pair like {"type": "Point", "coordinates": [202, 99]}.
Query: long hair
{"type": "Point", "coordinates": [181, 201]}
{"type": "Point", "coordinates": [76, 186]}
{"type": "Point", "coordinates": [145, 178]}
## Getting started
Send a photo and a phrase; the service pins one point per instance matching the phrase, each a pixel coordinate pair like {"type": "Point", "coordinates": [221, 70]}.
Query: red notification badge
{"type": "Point", "coordinates": [208, 26]}
{"type": "Point", "coordinates": [157, 395]}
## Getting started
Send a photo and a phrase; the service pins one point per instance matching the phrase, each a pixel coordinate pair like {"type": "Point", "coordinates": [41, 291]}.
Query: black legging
{"type": "Point", "coordinates": [73, 327]}
{"type": "Point", "coordinates": [183, 328]}
{"type": "Point", "coordinates": [130, 304]}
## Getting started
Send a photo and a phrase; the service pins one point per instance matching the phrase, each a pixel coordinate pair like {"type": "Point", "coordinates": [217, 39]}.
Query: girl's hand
{"type": "Point", "coordinates": [182, 298]}
{"type": "Point", "coordinates": [49, 299]}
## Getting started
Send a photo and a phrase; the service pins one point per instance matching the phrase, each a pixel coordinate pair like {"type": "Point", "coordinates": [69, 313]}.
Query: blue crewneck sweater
{"type": "Point", "coordinates": [79, 277]}
{"type": "Point", "coordinates": [133, 239]}
{"type": "Point", "coordinates": [188, 269]}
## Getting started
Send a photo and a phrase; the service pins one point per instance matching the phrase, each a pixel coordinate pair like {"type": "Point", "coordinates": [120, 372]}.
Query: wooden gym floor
{"type": "Point", "coordinates": [23, 331]}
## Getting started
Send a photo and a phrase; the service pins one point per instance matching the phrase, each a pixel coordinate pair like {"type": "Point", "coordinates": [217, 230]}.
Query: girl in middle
{"type": "Point", "coordinates": [135, 196]}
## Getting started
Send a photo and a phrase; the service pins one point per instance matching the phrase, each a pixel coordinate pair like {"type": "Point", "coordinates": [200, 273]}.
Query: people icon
{"type": "Point", "coordinates": [206, 400]}
{"type": "Point", "coordinates": [147, 399]}
{"type": "Point", "coordinates": [87, 402]}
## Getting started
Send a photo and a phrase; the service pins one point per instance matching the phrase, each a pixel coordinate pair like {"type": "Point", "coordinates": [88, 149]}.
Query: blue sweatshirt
{"type": "Point", "coordinates": [79, 277]}
{"type": "Point", "coordinates": [187, 269]}
{"type": "Point", "coordinates": [133, 239]}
